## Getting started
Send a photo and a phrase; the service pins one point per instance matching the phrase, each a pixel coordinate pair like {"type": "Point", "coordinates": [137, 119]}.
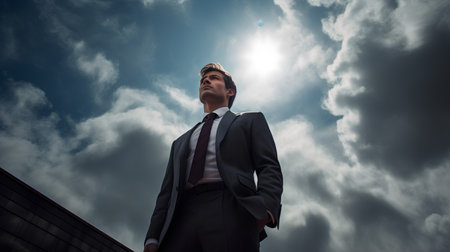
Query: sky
{"type": "Point", "coordinates": [92, 94]}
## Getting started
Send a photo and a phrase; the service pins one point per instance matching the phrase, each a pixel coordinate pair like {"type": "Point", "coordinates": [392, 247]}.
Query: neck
{"type": "Point", "coordinates": [209, 108]}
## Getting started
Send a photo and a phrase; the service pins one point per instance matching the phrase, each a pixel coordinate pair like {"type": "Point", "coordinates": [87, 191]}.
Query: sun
{"type": "Point", "coordinates": [263, 56]}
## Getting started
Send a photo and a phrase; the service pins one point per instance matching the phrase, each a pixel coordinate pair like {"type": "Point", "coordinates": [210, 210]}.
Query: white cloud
{"type": "Point", "coordinates": [148, 3]}
{"type": "Point", "coordinates": [436, 223]}
{"type": "Point", "coordinates": [326, 3]}
{"type": "Point", "coordinates": [122, 32]}
{"type": "Point", "coordinates": [27, 100]}
{"type": "Point", "coordinates": [31, 144]}
{"type": "Point", "coordinates": [438, 227]}
{"type": "Point", "coordinates": [186, 102]}
{"type": "Point", "coordinates": [178, 95]}
{"type": "Point", "coordinates": [132, 109]}
{"type": "Point", "coordinates": [304, 161]}
{"type": "Point", "coordinates": [316, 58]}
{"type": "Point", "coordinates": [399, 23]}
{"type": "Point", "coordinates": [95, 66]}
{"type": "Point", "coordinates": [96, 3]}
{"type": "Point", "coordinates": [412, 17]}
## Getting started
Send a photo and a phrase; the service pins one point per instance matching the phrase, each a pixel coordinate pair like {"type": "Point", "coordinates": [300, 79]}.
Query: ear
{"type": "Point", "coordinates": [230, 92]}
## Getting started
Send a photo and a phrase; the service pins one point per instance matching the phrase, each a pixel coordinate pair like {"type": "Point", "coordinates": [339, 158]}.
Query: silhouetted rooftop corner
{"type": "Point", "coordinates": [30, 221]}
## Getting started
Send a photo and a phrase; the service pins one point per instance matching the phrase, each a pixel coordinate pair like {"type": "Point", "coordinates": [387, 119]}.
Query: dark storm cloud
{"type": "Point", "coordinates": [313, 236]}
{"type": "Point", "coordinates": [378, 225]}
{"type": "Point", "coordinates": [127, 176]}
{"type": "Point", "coordinates": [438, 232]}
{"type": "Point", "coordinates": [315, 186]}
{"type": "Point", "coordinates": [404, 115]}
{"type": "Point", "coordinates": [7, 39]}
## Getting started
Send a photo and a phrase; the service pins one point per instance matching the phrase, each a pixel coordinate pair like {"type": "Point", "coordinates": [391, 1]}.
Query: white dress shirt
{"type": "Point", "coordinates": [211, 172]}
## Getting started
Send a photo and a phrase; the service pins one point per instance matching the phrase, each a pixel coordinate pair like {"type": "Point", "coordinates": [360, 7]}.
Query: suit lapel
{"type": "Point", "coordinates": [225, 123]}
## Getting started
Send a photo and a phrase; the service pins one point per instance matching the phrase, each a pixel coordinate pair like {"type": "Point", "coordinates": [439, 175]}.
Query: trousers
{"type": "Point", "coordinates": [209, 219]}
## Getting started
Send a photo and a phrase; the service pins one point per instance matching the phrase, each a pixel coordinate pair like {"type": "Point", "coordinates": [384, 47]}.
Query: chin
{"type": "Point", "coordinates": [204, 95]}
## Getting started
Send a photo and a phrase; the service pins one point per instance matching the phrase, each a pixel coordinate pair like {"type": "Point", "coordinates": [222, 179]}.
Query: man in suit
{"type": "Point", "coordinates": [209, 200]}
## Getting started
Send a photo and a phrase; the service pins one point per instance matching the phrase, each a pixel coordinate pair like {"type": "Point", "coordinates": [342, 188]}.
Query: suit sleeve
{"type": "Point", "coordinates": [268, 170]}
{"type": "Point", "coordinates": [162, 202]}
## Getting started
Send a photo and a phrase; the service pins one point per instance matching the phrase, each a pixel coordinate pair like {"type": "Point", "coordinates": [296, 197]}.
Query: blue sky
{"type": "Point", "coordinates": [92, 93]}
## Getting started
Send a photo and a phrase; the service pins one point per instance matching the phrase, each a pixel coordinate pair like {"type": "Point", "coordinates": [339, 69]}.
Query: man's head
{"type": "Point", "coordinates": [214, 74]}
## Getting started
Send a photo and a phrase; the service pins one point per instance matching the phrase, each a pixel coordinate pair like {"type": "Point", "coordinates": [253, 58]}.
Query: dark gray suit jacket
{"type": "Point", "coordinates": [244, 145]}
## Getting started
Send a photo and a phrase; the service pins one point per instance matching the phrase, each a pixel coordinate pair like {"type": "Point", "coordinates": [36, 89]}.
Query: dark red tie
{"type": "Point", "coordinates": [198, 163]}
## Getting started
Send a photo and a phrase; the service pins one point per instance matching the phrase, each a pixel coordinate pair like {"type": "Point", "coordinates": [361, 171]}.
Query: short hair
{"type": "Point", "coordinates": [229, 83]}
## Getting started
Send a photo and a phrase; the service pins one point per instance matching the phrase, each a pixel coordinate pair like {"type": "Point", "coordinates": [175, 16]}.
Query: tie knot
{"type": "Point", "coordinates": [209, 117]}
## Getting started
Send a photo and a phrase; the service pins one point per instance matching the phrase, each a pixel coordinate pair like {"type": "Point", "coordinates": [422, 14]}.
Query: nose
{"type": "Point", "coordinates": [205, 81]}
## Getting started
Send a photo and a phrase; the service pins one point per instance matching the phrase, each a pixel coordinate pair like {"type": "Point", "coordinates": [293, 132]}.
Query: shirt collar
{"type": "Point", "coordinates": [220, 112]}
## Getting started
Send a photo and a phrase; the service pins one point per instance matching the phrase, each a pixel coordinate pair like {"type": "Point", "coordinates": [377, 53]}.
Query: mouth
{"type": "Point", "coordinates": [206, 87]}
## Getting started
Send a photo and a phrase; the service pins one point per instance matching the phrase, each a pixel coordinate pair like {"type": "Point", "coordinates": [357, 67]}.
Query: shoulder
{"type": "Point", "coordinates": [185, 135]}
{"type": "Point", "coordinates": [250, 115]}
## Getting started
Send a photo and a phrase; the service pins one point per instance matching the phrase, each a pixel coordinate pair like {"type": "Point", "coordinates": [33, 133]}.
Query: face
{"type": "Point", "coordinates": [213, 89]}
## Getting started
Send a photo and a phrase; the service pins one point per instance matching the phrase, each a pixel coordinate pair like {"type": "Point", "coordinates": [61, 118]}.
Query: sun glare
{"type": "Point", "coordinates": [263, 56]}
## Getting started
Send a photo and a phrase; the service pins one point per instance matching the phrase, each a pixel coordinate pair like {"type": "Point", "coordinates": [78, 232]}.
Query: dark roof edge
{"type": "Point", "coordinates": [62, 208]}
